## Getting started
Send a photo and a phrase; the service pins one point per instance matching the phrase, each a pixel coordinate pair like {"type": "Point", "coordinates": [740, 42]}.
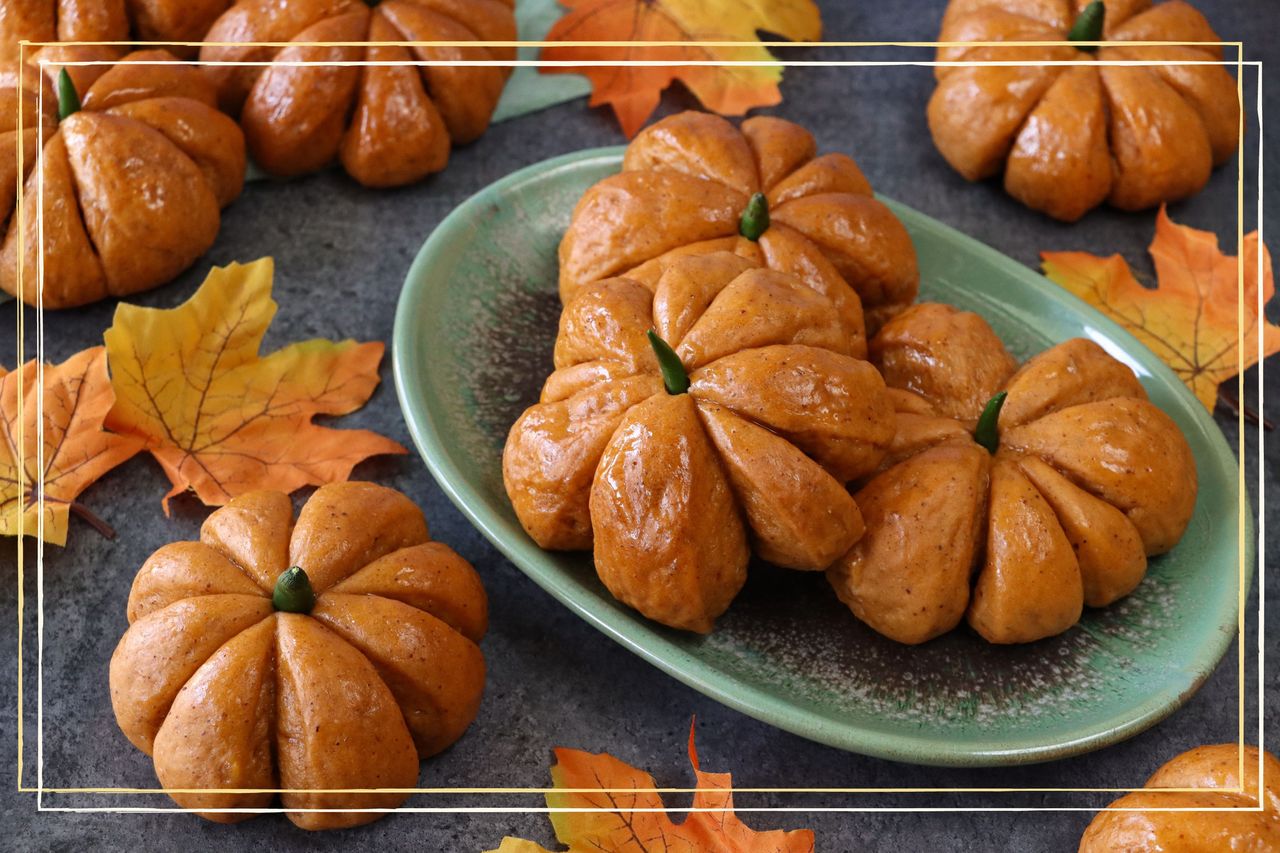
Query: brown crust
{"type": "Point", "coordinates": [1089, 480]}
{"type": "Point", "coordinates": [228, 693]}
{"type": "Point", "coordinates": [387, 126]}
{"type": "Point", "coordinates": [1174, 825]}
{"type": "Point", "coordinates": [1069, 138]}
{"type": "Point", "coordinates": [133, 183]}
{"type": "Point", "coordinates": [692, 174]}
{"type": "Point", "coordinates": [674, 492]}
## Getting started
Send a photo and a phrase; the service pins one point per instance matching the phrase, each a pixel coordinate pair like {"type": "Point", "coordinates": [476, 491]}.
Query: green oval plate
{"type": "Point", "coordinates": [472, 344]}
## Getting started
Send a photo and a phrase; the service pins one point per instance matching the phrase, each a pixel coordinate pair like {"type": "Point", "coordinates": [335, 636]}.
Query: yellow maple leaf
{"type": "Point", "coordinates": [519, 845]}
{"type": "Point", "coordinates": [77, 451]}
{"type": "Point", "coordinates": [1191, 318]}
{"type": "Point", "coordinates": [634, 820]}
{"type": "Point", "coordinates": [223, 420]}
{"type": "Point", "coordinates": [634, 91]}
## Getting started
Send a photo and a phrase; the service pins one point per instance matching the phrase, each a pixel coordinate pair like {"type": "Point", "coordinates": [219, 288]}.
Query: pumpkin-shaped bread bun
{"type": "Point", "coordinates": [105, 20]}
{"type": "Point", "coordinates": [388, 124]}
{"type": "Point", "coordinates": [133, 183]}
{"type": "Point", "coordinates": [693, 183]}
{"type": "Point", "coordinates": [1056, 499]}
{"type": "Point", "coordinates": [1069, 137]}
{"type": "Point", "coordinates": [737, 438]}
{"type": "Point", "coordinates": [1216, 769]}
{"type": "Point", "coordinates": [240, 671]}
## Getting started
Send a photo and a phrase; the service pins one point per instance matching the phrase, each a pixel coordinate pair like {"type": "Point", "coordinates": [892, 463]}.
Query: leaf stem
{"type": "Point", "coordinates": [68, 98]}
{"type": "Point", "coordinates": [1088, 26]}
{"type": "Point", "coordinates": [986, 432]}
{"type": "Point", "coordinates": [293, 592]}
{"type": "Point", "coordinates": [1233, 407]}
{"type": "Point", "coordinates": [674, 376]}
{"type": "Point", "coordinates": [755, 219]}
{"type": "Point", "coordinates": [95, 521]}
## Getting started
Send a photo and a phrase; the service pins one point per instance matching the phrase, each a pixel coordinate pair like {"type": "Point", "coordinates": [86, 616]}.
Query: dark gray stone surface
{"type": "Point", "coordinates": [341, 254]}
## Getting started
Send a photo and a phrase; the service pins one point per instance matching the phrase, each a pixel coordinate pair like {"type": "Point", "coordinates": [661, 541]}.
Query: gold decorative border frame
{"type": "Point", "coordinates": [1240, 64]}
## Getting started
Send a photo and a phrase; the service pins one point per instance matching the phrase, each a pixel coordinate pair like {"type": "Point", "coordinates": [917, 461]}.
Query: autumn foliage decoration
{"type": "Point", "coordinates": [1192, 318]}
{"type": "Point", "coordinates": [190, 385]}
{"type": "Point", "coordinates": [223, 420]}
{"type": "Point", "coordinates": [669, 32]}
{"type": "Point", "coordinates": [64, 458]}
{"type": "Point", "coordinates": [628, 816]}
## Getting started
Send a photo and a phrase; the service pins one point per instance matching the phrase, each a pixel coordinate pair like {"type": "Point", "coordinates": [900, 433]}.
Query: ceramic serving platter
{"type": "Point", "coordinates": [473, 339]}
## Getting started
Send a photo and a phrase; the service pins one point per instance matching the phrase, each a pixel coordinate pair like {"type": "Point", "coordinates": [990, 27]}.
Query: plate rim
{"type": "Point", "coordinates": [651, 645]}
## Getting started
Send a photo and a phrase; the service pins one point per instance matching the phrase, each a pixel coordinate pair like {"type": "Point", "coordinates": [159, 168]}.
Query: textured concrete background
{"type": "Point", "coordinates": [341, 254]}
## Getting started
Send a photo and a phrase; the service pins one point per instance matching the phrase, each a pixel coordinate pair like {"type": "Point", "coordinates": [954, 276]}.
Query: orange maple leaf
{"type": "Point", "coordinates": [634, 91]}
{"type": "Point", "coordinates": [1191, 319]}
{"type": "Point", "coordinates": [77, 451]}
{"type": "Point", "coordinates": [223, 420]}
{"type": "Point", "coordinates": [636, 820]}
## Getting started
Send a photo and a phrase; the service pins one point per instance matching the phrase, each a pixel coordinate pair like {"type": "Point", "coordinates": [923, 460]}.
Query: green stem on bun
{"type": "Point", "coordinates": [293, 592]}
{"type": "Point", "coordinates": [674, 376]}
{"type": "Point", "coordinates": [986, 433]}
{"type": "Point", "coordinates": [68, 97]}
{"type": "Point", "coordinates": [755, 219]}
{"type": "Point", "coordinates": [1088, 27]}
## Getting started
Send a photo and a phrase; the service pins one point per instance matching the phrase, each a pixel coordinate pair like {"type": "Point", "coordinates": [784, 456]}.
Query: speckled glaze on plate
{"type": "Point", "coordinates": [472, 344]}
